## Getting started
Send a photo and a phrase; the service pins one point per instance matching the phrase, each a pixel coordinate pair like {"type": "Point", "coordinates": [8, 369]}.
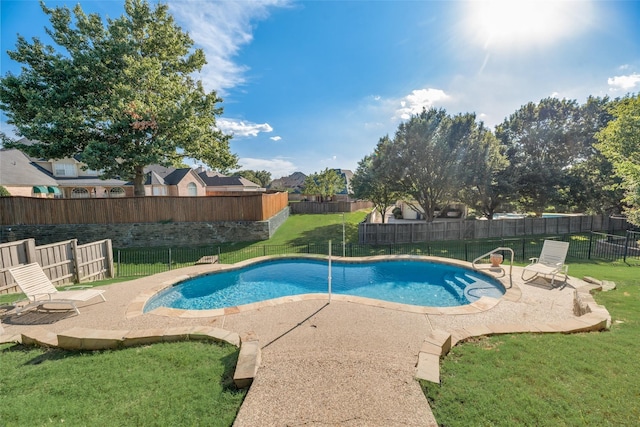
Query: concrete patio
{"type": "Point", "coordinates": [350, 362]}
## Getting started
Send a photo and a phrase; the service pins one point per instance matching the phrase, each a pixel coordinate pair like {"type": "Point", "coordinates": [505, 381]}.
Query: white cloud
{"type": "Point", "coordinates": [419, 99]}
{"type": "Point", "coordinates": [221, 29]}
{"type": "Point", "coordinates": [278, 167]}
{"type": "Point", "coordinates": [623, 82]}
{"type": "Point", "coordinates": [241, 129]}
{"type": "Point", "coordinates": [275, 138]}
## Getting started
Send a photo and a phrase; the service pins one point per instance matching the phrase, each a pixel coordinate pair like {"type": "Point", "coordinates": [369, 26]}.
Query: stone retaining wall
{"type": "Point", "coordinates": [150, 234]}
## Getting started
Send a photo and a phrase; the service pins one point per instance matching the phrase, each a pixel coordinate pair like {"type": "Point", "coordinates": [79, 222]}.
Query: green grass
{"type": "Point", "coordinates": [589, 379]}
{"type": "Point", "coordinates": [527, 379]}
{"type": "Point", "coordinates": [176, 384]}
{"type": "Point", "coordinates": [318, 229]}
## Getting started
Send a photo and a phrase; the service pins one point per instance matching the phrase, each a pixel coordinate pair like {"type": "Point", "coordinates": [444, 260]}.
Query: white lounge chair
{"type": "Point", "coordinates": [549, 263]}
{"type": "Point", "coordinates": [39, 290]}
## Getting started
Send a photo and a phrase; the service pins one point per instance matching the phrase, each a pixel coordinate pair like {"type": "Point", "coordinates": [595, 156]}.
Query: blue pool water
{"type": "Point", "coordinates": [407, 282]}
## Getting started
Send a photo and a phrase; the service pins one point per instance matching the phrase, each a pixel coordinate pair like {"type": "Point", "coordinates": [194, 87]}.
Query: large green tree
{"type": "Point", "coordinates": [620, 143]}
{"type": "Point", "coordinates": [590, 184]}
{"type": "Point", "coordinates": [374, 178]}
{"type": "Point", "coordinates": [325, 184]}
{"type": "Point", "coordinates": [121, 93]}
{"type": "Point", "coordinates": [543, 140]}
{"type": "Point", "coordinates": [428, 152]}
{"type": "Point", "coordinates": [485, 185]}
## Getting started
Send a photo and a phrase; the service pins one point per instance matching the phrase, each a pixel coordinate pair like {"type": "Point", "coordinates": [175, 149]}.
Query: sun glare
{"type": "Point", "coordinates": [505, 24]}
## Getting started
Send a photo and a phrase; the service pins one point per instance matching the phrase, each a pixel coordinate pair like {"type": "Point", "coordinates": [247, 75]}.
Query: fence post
{"type": "Point", "coordinates": [109, 254]}
{"type": "Point", "coordinates": [466, 254]}
{"type": "Point", "coordinates": [626, 246]}
{"type": "Point", "coordinates": [30, 249]}
{"type": "Point", "coordinates": [169, 259]}
{"type": "Point", "coordinates": [219, 256]}
{"type": "Point", "coordinates": [76, 263]}
{"type": "Point", "coordinates": [590, 243]}
{"type": "Point", "coordinates": [119, 268]}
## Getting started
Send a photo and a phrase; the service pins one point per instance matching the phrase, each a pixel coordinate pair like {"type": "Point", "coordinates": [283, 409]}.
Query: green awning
{"type": "Point", "coordinates": [54, 190]}
{"type": "Point", "coordinates": [40, 189]}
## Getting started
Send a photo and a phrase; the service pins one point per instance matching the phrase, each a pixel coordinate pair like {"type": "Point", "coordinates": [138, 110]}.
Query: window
{"type": "Point", "coordinates": [79, 193]}
{"type": "Point", "coordinates": [65, 169]}
{"type": "Point", "coordinates": [116, 192]}
{"type": "Point", "coordinates": [192, 189]}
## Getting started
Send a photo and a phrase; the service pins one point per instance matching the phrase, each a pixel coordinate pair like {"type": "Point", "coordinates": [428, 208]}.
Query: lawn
{"type": "Point", "coordinates": [587, 379]}
{"type": "Point", "coordinates": [590, 379]}
{"type": "Point", "coordinates": [169, 384]}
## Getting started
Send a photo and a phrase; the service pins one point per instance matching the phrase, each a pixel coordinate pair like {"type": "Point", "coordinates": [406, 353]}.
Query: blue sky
{"type": "Point", "coordinates": [315, 84]}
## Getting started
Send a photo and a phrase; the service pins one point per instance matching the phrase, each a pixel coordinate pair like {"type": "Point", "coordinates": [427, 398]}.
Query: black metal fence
{"type": "Point", "coordinates": [593, 246]}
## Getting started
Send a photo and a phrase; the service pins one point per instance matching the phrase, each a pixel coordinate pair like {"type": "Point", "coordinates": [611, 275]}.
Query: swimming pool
{"type": "Point", "coordinates": [414, 282]}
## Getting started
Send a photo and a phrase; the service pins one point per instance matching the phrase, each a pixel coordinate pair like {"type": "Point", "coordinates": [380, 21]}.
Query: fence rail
{"type": "Point", "coordinates": [582, 246]}
{"type": "Point", "coordinates": [234, 207]}
{"type": "Point", "coordinates": [328, 207]}
{"type": "Point", "coordinates": [415, 232]}
{"type": "Point", "coordinates": [63, 262]}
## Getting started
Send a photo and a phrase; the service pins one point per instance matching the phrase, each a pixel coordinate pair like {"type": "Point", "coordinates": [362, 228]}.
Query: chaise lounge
{"type": "Point", "coordinates": [549, 263]}
{"type": "Point", "coordinates": [40, 291]}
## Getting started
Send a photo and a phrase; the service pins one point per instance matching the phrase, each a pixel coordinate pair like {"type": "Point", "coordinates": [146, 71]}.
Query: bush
{"type": "Point", "coordinates": [4, 192]}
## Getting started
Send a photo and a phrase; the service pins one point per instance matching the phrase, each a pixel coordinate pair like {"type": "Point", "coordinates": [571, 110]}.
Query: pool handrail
{"type": "Point", "coordinates": [502, 248]}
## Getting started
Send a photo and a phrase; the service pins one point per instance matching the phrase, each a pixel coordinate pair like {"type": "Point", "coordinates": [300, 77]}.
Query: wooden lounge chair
{"type": "Point", "coordinates": [549, 263]}
{"type": "Point", "coordinates": [40, 291]}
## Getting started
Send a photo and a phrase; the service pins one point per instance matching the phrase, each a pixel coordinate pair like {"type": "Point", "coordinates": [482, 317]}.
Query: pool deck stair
{"type": "Point", "coordinates": [248, 360]}
{"type": "Point", "coordinates": [590, 317]}
{"type": "Point", "coordinates": [95, 339]}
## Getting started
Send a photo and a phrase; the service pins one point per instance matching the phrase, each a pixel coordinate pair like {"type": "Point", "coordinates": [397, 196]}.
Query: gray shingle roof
{"type": "Point", "coordinates": [215, 179]}
{"type": "Point", "coordinates": [17, 169]}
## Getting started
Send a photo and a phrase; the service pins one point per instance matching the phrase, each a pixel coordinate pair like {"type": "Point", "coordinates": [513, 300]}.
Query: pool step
{"type": "Point", "coordinates": [456, 285]}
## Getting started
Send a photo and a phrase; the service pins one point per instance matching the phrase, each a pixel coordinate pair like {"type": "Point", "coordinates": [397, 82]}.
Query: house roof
{"type": "Point", "coordinates": [295, 181]}
{"type": "Point", "coordinates": [17, 169]}
{"type": "Point", "coordinates": [162, 175]}
{"type": "Point", "coordinates": [215, 179]}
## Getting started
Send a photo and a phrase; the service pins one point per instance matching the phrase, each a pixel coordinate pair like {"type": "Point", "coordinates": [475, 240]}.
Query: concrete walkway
{"type": "Point", "coordinates": [348, 363]}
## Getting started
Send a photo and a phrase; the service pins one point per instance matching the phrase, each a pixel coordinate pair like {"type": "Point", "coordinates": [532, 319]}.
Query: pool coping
{"type": "Point", "coordinates": [588, 316]}
{"type": "Point", "coordinates": [512, 291]}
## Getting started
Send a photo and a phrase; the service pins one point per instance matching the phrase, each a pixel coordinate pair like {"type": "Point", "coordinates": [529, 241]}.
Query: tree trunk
{"type": "Point", "coordinates": [138, 182]}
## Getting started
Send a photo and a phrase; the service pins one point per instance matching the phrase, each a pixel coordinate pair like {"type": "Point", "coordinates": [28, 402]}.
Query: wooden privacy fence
{"type": "Point", "coordinates": [232, 207]}
{"type": "Point", "coordinates": [328, 207]}
{"type": "Point", "coordinates": [63, 262]}
{"type": "Point", "coordinates": [414, 232]}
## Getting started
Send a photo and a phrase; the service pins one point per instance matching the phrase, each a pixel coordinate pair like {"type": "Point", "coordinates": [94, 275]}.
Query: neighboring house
{"type": "Point", "coordinates": [21, 177]}
{"type": "Point", "coordinates": [217, 182]}
{"type": "Point", "coordinates": [71, 180]}
{"type": "Point", "coordinates": [293, 183]}
{"type": "Point", "coordinates": [167, 181]}
{"type": "Point", "coordinates": [412, 211]}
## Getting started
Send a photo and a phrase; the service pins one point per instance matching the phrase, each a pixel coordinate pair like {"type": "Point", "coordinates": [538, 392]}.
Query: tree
{"type": "Point", "coordinates": [485, 185]}
{"type": "Point", "coordinates": [619, 141]}
{"type": "Point", "coordinates": [121, 95]}
{"type": "Point", "coordinates": [373, 179]}
{"type": "Point", "coordinates": [428, 152]}
{"type": "Point", "coordinates": [543, 140]}
{"type": "Point", "coordinates": [263, 177]}
{"type": "Point", "coordinates": [325, 184]}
